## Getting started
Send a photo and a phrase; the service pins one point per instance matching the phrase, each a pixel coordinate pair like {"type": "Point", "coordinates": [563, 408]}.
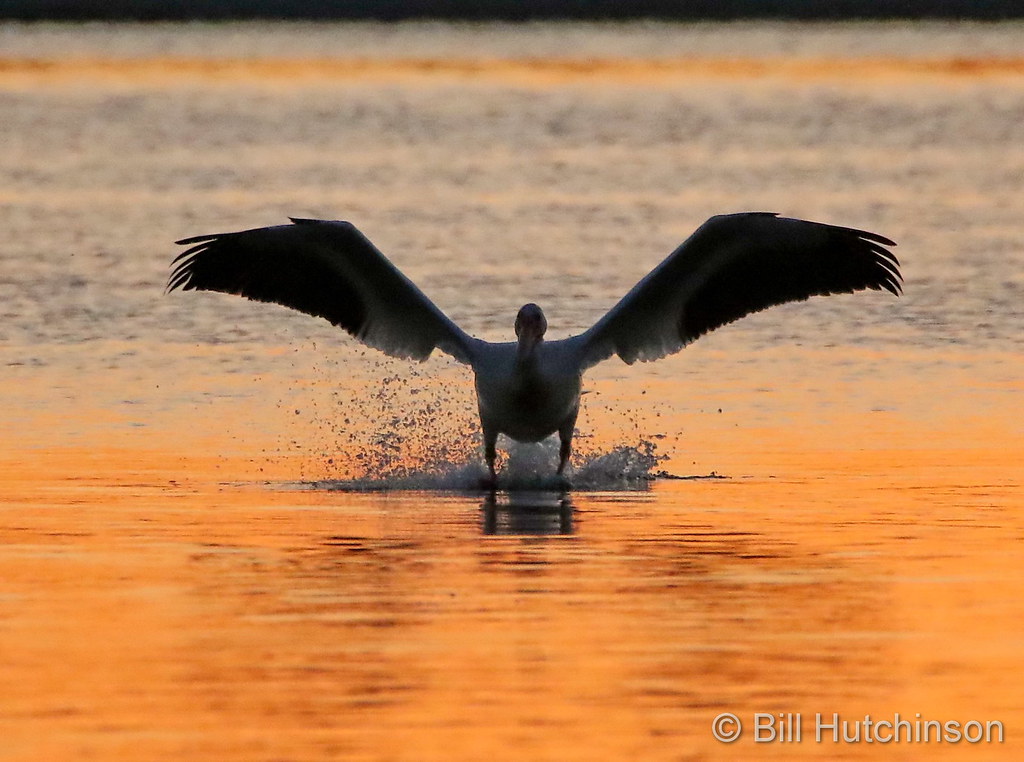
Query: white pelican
{"type": "Point", "coordinates": [528, 389]}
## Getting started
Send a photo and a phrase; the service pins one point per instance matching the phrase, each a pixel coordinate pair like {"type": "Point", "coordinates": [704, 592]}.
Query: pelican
{"type": "Point", "coordinates": [528, 389]}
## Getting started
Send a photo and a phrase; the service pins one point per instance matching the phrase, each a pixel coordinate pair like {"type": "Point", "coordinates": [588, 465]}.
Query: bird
{"type": "Point", "coordinates": [529, 389]}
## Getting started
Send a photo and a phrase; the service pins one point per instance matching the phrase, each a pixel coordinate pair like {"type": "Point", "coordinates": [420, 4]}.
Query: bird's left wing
{"type": "Point", "coordinates": [325, 269]}
{"type": "Point", "coordinates": [731, 266]}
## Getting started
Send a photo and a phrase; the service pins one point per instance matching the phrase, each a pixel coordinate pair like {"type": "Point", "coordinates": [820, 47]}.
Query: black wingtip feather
{"type": "Point", "coordinates": [874, 237]}
{"type": "Point", "coordinates": [798, 259]}
{"type": "Point", "coordinates": [262, 265]}
{"type": "Point", "coordinates": [201, 238]}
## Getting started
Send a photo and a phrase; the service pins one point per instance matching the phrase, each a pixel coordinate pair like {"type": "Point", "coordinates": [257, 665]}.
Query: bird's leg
{"type": "Point", "coordinates": [565, 436]}
{"type": "Point", "coordinates": [563, 455]}
{"type": "Point", "coordinates": [490, 454]}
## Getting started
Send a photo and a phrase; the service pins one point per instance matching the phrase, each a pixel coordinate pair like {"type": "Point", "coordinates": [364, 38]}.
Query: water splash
{"type": "Point", "coordinates": [623, 468]}
{"type": "Point", "coordinates": [393, 424]}
{"type": "Point", "coordinates": [522, 468]}
{"type": "Point", "coordinates": [410, 431]}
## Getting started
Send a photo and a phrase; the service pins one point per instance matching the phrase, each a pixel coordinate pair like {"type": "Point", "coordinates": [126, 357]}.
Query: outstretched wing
{"type": "Point", "coordinates": [326, 269]}
{"type": "Point", "coordinates": [731, 266]}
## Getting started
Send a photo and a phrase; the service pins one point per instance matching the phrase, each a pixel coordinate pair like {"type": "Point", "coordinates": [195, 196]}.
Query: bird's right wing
{"type": "Point", "coordinates": [731, 266]}
{"type": "Point", "coordinates": [329, 270]}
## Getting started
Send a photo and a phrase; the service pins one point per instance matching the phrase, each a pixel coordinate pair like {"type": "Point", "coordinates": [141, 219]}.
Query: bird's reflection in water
{"type": "Point", "coordinates": [532, 513]}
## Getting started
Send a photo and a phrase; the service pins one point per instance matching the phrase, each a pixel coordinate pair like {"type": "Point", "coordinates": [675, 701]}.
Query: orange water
{"type": "Point", "coordinates": [171, 586]}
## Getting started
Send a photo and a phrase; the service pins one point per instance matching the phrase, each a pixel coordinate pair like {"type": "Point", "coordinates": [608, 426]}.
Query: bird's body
{"type": "Point", "coordinates": [529, 389]}
{"type": "Point", "coordinates": [527, 400]}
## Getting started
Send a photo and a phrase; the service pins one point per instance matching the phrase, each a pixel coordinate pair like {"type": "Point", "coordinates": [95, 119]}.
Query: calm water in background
{"type": "Point", "coordinates": [166, 591]}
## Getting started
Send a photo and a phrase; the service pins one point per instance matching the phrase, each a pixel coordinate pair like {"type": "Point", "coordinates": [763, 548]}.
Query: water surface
{"type": "Point", "coordinates": [174, 582]}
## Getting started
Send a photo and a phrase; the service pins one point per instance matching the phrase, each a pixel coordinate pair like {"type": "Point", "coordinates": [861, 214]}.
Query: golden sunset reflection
{"type": "Point", "coordinates": [212, 542]}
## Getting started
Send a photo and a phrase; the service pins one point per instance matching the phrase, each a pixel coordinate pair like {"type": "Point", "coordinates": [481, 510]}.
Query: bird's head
{"type": "Point", "coordinates": [530, 328]}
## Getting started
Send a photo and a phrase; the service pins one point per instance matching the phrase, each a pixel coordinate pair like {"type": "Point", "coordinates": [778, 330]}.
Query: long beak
{"type": "Point", "coordinates": [527, 341]}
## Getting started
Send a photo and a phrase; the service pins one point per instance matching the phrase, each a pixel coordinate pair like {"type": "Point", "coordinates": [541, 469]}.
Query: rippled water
{"type": "Point", "coordinates": [180, 575]}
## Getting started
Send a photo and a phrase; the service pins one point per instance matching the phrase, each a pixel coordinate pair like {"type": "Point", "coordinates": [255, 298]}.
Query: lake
{"type": "Point", "coordinates": [230, 532]}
